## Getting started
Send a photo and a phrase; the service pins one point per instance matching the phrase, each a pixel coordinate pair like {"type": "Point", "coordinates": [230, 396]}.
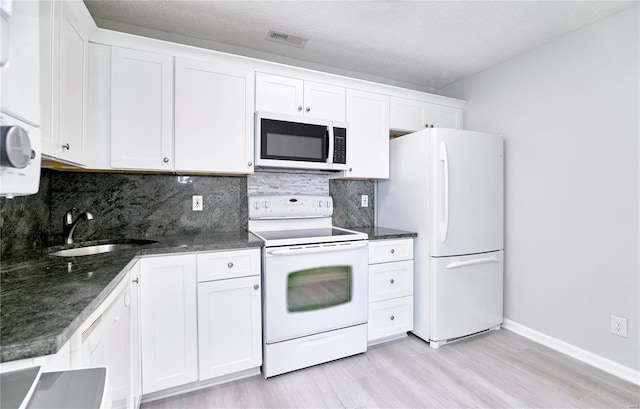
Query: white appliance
{"type": "Point", "coordinates": [315, 283]}
{"type": "Point", "coordinates": [19, 98]}
{"type": "Point", "coordinates": [294, 142]}
{"type": "Point", "coordinates": [447, 185]}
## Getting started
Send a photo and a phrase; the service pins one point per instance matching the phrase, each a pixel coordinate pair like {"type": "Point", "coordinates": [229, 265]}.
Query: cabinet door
{"type": "Point", "coordinates": [229, 326]}
{"type": "Point", "coordinates": [213, 118]}
{"type": "Point", "coordinates": [141, 110]}
{"type": "Point", "coordinates": [368, 137]}
{"type": "Point", "coordinates": [279, 94]}
{"type": "Point", "coordinates": [168, 316]}
{"type": "Point", "coordinates": [441, 116]}
{"type": "Point", "coordinates": [134, 345]}
{"type": "Point", "coordinates": [407, 114]}
{"type": "Point", "coordinates": [324, 101]}
{"type": "Point", "coordinates": [70, 64]}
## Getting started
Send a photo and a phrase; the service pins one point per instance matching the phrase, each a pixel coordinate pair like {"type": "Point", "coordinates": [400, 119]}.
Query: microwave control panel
{"type": "Point", "coordinates": [339, 145]}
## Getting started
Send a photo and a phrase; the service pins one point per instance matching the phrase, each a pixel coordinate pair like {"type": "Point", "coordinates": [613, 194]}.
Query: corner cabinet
{"type": "Point", "coordinates": [65, 78]}
{"type": "Point", "coordinates": [213, 117]}
{"type": "Point", "coordinates": [368, 137]}
{"type": "Point", "coordinates": [390, 289]}
{"type": "Point", "coordinates": [141, 110]}
{"type": "Point", "coordinates": [168, 318]}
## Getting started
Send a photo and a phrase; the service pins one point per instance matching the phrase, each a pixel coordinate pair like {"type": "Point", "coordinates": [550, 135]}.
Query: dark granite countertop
{"type": "Point", "coordinates": [382, 233]}
{"type": "Point", "coordinates": [44, 299]}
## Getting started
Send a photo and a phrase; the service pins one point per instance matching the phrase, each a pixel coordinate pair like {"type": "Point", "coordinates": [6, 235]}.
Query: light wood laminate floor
{"type": "Point", "coordinates": [495, 370]}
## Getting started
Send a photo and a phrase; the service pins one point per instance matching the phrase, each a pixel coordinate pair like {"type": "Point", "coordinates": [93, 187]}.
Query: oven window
{"type": "Point", "coordinates": [319, 288]}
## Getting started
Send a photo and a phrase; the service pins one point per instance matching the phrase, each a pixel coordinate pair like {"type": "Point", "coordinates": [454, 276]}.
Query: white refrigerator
{"type": "Point", "coordinates": [447, 185]}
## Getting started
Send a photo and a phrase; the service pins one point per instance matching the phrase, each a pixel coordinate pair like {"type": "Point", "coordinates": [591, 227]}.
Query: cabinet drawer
{"type": "Point", "coordinates": [390, 280]}
{"type": "Point", "coordinates": [220, 265]}
{"type": "Point", "coordinates": [384, 251]}
{"type": "Point", "coordinates": [391, 317]}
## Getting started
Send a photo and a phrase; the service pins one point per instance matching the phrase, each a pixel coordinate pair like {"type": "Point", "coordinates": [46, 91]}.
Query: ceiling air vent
{"type": "Point", "coordinates": [287, 39]}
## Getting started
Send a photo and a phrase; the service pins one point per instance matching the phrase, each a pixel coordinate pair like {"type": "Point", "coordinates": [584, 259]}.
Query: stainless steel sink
{"type": "Point", "coordinates": [101, 248]}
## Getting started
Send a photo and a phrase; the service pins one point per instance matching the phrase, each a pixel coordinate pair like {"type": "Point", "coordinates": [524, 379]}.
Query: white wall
{"type": "Point", "coordinates": [569, 112]}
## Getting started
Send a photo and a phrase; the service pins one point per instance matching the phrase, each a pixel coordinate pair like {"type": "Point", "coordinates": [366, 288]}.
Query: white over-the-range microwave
{"type": "Point", "coordinates": [297, 142]}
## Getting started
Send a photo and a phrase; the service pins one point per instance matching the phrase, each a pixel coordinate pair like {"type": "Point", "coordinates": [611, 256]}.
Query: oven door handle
{"type": "Point", "coordinates": [317, 249]}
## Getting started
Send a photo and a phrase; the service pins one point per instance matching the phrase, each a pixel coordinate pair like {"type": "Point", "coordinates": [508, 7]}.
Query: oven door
{"type": "Point", "coordinates": [315, 288]}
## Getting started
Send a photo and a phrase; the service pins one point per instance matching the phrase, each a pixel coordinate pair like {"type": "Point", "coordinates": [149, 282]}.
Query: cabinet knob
{"type": "Point", "coordinates": [308, 109]}
{"type": "Point", "coordinates": [135, 281]}
{"type": "Point", "coordinates": [392, 318]}
{"type": "Point", "coordinates": [350, 169]}
{"type": "Point", "coordinates": [393, 251]}
{"type": "Point", "coordinates": [249, 163]}
{"type": "Point", "coordinates": [230, 265]}
{"type": "Point", "coordinates": [392, 281]}
{"type": "Point", "coordinates": [66, 146]}
{"type": "Point", "coordinates": [300, 108]}
{"type": "Point", "coordinates": [426, 125]}
{"type": "Point", "coordinates": [165, 160]}
{"type": "Point", "coordinates": [255, 287]}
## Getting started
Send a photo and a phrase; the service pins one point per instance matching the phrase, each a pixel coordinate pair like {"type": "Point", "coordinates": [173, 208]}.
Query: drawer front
{"type": "Point", "coordinates": [390, 280]}
{"type": "Point", "coordinates": [384, 251]}
{"type": "Point", "coordinates": [221, 265]}
{"type": "Point", "coordinates": [389, 318]}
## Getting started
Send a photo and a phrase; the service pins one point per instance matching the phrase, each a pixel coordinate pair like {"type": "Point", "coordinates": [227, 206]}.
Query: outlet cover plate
{"type": "Point", "coordinates": [364, 201]}
{"type": "Point", "coordinates": [618, 325]}
{"type": "Point", "coordinates": [197, 204]}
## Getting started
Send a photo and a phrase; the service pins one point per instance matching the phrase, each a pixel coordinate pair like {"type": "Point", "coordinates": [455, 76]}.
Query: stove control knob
{"type": "Point", "coordinates": [266, 204]}
{"type": "Point", "coordinates": [328, 204]}
{"type": "Point", "coordinates": [319, 203]}
{"type": "Point", "coordinates": [257, 205]}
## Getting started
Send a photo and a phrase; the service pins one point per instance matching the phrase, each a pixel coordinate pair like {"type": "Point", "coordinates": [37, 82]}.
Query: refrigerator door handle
{"type": "Point", "coordinates": [444, 225]}
{"type": "Point", "coordinates": [472, 262]}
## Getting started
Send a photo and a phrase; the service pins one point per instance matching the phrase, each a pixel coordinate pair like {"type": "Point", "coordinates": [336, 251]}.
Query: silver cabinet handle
{"type": "Point", "coordinates": [230, 265]}
{"type": "Point", "coordinates": [255, 287]}
{"type": "Point", "coordinates": [393, 251]}
{"type": "Point", "coordinates": [249, 163]}
{"type": "Point", "coordinates": [350, 169]}
{"type": "Point", "coordinates": [393, 318]}
{"type": "Point", "coordinates": [66, 146]}
{"type": "Point", "coordinates": [165, 160]}
{"type": "Point", "coordinates": [392, 281]}
{"type": "Point", "coordinates": [308, 109]}
{"type": "Point", "coordinates": [135, 281]}
{"type": "Point", "coordinates": [300, 108]}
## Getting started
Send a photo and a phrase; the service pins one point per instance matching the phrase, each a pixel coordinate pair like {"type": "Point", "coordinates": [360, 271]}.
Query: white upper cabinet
{"type": "Point", "coordinates": [141, 110]}
{"type": "Point", "coordinates": [68, 26]}
{"type": "Point", "coordinates": [368, 136]}
{"type": "Point", "coordinates": [324, 101]}
{"type": "Point", "coordinates": [411, 115]}
{"type": "Point", "coordinates": [297, 97]}
{"type": "Point", "coordinates": [213, 117]}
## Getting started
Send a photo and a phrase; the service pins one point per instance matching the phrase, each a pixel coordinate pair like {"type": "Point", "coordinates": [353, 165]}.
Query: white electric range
{"type": "Point", "coordinates": [315, 282]}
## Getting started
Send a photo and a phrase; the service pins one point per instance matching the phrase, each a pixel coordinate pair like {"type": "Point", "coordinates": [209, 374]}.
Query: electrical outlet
{"type": "Point", "coordinates": [619, 326]}
{"type": "Point", "coordinates": [197, 204]}
{"type": "Point", "coordinates": [364, 201]}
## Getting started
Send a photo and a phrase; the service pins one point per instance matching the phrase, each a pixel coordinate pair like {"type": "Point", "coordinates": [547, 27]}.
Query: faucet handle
{"type": "Point", "coordinates": [68, 216]}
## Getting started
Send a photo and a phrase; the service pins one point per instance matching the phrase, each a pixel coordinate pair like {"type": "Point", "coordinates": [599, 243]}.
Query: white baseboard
{"type": "Point", "coordinates": [607, 365]}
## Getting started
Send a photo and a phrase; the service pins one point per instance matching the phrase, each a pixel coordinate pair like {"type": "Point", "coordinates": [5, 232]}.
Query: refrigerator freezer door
{"type": "Point", "coordinates": [466, 294]}
{"type": "Point", "coordinates": [466, 192]}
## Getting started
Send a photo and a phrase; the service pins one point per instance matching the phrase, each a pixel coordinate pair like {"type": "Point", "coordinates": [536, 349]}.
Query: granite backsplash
{"type": "Point", "coordinates": [151, 205]}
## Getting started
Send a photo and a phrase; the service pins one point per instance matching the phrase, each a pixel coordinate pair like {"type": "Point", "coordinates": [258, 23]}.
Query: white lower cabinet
{"type": "Point", "coordinates": [200, 315]}
{"type": "Point", "coordinates": [390, 289]}
{"type": "Point", "coordinates": [229, 328]}
{"type": "Point", "coordinates": [168, 318]}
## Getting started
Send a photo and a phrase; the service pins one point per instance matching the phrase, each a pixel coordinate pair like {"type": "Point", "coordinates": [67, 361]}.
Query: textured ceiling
{"type": "Point", "coordinates": [422, 44]}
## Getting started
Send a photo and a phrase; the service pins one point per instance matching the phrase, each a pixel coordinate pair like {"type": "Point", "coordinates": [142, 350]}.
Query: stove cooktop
{"type": "Point", "coordinates": [308, 236]}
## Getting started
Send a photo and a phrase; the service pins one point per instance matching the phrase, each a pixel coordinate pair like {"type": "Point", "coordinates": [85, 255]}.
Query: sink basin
{"type": "Point", "coordinates": [101, 248]}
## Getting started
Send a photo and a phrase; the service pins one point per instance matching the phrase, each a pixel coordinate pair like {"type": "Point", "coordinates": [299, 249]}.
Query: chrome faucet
{"type": "Point", "coordinates": [69, 223]}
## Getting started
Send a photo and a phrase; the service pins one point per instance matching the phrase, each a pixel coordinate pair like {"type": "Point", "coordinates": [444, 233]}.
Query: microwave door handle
{"type": "Point", "coordinates": [329, 136]}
